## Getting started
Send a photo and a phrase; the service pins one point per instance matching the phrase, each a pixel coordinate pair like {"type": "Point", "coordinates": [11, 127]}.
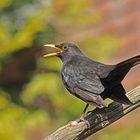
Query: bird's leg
{"type": "Point", "coordinates": [83, 113]}
{"type": "Point", "coordinates": [74, 123]}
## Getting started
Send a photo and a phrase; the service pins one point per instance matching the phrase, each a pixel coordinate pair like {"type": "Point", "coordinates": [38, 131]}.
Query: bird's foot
{"type": "Point", "coordinates": [79, 120]}
{"type": "Point", "coordinates": [82, 118]}
{"type": "Point", "coordinates": [73, 123]}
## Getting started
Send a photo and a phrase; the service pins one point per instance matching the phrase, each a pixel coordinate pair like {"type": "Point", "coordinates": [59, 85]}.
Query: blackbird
{"type": "Point", "coordinates": [89, 80]}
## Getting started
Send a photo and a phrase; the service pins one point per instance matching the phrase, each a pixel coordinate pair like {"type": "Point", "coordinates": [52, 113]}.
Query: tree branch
{"type": "Point", "coordinates": [97, 119]}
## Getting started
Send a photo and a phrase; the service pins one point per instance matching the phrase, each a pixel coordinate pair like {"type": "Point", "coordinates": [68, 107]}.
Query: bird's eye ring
{"type": "Point", "coordinates": [65, 47]}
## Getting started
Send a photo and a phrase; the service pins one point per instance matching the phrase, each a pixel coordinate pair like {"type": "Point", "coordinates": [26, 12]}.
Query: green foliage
{"type": "Point", "coordinates": [16, 121]}
{"type": "Point", "coordinates": [21, 22]}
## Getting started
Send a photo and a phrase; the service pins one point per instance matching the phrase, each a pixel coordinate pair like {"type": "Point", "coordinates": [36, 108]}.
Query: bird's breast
{"type": "Point", "coordinates": [68, 78]}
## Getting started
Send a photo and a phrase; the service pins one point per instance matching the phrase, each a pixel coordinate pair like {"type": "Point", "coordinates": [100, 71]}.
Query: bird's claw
{"type": "Point", "coordinates": [82, 119]}
{"type": "Point", "coordinates": [73, 123]}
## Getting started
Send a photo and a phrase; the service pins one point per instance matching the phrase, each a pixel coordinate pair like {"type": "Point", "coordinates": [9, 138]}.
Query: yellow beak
{"type": "Point", "coordinates": [58, 50]}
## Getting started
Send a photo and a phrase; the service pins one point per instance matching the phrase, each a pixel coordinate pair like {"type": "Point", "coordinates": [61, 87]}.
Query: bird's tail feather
{"type": "Point", "coordinates": [118, 95]}
{"type": "Point", "coordinates": [122, 68]}
{"type": "Point", "coordinates": [130, 62]}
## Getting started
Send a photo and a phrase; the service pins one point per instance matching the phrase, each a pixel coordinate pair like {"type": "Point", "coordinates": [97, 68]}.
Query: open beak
{"type": "Point", "coordinates": [58, 50]}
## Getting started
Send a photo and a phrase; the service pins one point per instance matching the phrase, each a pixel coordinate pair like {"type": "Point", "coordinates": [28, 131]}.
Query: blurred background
{"type": "Point", "coordinates": [33, 100]}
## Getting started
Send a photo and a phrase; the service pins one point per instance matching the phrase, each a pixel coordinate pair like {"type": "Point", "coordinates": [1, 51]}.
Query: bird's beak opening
{"type": "Point", "coordinates": [58, 50]}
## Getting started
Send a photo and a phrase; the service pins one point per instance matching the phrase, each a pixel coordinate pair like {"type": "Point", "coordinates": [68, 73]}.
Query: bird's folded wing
{"type": "Point", "coordinates": [84, 77]}
{"type": "Point", "coordinates": [91, 84]}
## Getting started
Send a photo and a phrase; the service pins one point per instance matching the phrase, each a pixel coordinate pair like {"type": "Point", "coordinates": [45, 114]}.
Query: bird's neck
{"type": "Point", "coordinates": [72, 59]}
{"type": "Point", "coordinates": [66, 59]}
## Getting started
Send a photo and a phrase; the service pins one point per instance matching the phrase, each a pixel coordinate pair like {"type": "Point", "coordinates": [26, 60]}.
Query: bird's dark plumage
{"type": "Point", "coordinates": [92, 81]}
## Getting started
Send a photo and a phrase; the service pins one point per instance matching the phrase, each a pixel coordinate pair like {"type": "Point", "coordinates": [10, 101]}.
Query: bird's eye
{"type": "Point", "coordinates": [65, 47]}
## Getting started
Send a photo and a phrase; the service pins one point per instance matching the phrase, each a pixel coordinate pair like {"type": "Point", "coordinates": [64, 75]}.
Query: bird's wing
{"type": "Point", "coordinates": [83, 75]}
{"type": "Point", "coordinates": [91, 85]}
{"type": "Point", "coordinates": [89, 81]}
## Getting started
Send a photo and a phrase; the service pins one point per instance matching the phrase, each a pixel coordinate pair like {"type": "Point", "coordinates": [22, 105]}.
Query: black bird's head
{"type": "Point", "coordinates": [64, 50]}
